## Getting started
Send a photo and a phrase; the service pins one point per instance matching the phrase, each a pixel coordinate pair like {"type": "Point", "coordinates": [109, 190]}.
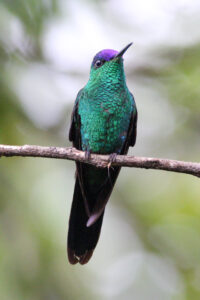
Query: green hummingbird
{"type": "Point", "coordinates": [104, 121]}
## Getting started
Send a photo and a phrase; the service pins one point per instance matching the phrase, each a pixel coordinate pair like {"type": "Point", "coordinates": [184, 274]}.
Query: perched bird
{"type": "Point", "coordinates": [104, 121]}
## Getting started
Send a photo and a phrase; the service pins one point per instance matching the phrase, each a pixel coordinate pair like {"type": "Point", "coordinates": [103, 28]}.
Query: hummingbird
{"type": "Point", "coordinates": [104, 121]}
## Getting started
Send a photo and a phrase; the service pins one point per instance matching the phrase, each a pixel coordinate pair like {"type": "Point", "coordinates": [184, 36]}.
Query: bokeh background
{"type": "Point", "coordinates": [150, 242]}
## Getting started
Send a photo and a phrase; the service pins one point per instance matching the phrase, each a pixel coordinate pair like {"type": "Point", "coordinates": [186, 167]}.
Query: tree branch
{"type": "Point", "coordinates": [102, 161]}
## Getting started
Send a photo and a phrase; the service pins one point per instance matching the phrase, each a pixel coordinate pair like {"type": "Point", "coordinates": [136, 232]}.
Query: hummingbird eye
{"type": "Point", "coordinates": [99, 63]}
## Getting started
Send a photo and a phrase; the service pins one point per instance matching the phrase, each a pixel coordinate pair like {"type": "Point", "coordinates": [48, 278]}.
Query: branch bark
{"type": "Point", "coordinates": [102, 161]}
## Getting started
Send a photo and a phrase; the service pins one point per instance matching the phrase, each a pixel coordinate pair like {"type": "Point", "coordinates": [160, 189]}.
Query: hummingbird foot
{"type": "Point", "coordinates": [112, 159]}
{"type": "Point", "coordinates": [87, 154]}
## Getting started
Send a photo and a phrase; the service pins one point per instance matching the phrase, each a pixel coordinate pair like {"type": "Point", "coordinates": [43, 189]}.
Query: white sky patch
{"type": "Point", "coordinates": [43, 93]}
{"type": "Point", "coordinates": [71, 42]}
{"type": "Point", "coordinates": [12, 32]}
{"type": "Point", "coordinates": [141, 274]}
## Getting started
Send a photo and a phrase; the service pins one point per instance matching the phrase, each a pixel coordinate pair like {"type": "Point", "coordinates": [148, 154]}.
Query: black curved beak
{"type": "Point", "coordinates": [120, 54]}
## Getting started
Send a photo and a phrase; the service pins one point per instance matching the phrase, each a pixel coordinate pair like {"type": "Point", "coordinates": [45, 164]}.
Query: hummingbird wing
{"type": "Point", "coordinates": [82, 239]}
{"type": "Point", "coordinates": [75, 138]}
{"type": "Point", "coordinates": [132, 132]}
{"type": "Point", "coordinates": [75, 126]}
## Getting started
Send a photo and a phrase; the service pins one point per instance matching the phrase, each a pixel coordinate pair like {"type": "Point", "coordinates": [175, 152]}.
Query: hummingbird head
{"type": "Point", "coordinates": [107, 64]}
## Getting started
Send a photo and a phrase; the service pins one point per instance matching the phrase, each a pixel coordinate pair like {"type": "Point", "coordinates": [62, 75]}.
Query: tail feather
{"type": "Point", "coordinates": [81, 239]}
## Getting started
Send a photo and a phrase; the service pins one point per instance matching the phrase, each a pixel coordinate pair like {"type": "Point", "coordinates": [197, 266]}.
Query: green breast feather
{"type": "Point", "coordinates": [105, 119]}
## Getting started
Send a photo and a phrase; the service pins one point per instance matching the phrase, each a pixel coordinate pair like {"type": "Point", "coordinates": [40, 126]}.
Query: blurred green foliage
{"type": "Point", "coordinates": [150, 242]}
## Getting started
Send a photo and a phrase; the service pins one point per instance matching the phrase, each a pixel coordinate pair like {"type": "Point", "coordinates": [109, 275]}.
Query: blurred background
{"type": "Point", "coordinates": [150, 242]}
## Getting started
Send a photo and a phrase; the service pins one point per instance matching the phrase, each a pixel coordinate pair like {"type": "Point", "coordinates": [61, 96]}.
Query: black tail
{"type": "Point", "coordinates": [81, 239]}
